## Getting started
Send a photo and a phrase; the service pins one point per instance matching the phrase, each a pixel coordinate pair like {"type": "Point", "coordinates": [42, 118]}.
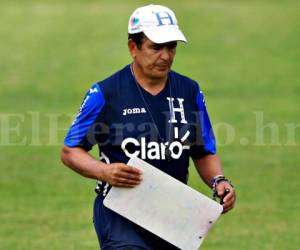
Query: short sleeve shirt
{"type": "Point", "coordinates": [125, 121]}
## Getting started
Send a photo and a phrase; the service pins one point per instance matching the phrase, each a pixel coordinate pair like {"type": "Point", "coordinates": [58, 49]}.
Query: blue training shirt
{"type": "Point", "coordinates": [125, 120]}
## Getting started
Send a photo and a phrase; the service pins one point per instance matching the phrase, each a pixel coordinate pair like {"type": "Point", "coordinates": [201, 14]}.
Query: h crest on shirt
{"type": "Point", "coordinates": [179, 109]}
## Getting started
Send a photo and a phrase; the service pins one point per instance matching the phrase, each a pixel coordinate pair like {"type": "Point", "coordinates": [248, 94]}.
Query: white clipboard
{"type": "Point", "coordinates": [166, 207]}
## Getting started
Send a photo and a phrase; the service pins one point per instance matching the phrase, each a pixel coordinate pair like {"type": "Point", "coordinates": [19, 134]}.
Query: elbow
{"type": "Point", "coordinates": [65, 155]}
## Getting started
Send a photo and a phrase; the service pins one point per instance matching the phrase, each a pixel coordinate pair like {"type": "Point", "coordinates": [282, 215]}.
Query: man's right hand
{"type": "Point", "coordinates": [121, 175]}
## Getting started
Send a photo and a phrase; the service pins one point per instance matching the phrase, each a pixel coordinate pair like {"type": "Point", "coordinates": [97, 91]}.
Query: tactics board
{"type": "Point", "coordinates": [166, 207]}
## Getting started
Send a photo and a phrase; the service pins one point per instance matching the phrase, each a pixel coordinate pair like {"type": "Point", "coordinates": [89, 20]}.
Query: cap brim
{"type": "Point", "coordinates": [165, 34]}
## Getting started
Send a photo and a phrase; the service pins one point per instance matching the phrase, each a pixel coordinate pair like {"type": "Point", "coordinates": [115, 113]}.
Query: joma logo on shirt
{"type": "Point", "coordinates": [134, 111]}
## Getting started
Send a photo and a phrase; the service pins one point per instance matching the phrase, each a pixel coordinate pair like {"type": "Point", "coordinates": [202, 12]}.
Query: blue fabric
{"type": "Point", "coordinates": [90, 108]}
{"type": "Point", "coordinates": [115, 232]}
{"type": "Point", "coordinates": [125, 120]}
{"type": "Point", "coordinates": [116, 118]}
{"type": "Point", "coordinates": [208, 137]}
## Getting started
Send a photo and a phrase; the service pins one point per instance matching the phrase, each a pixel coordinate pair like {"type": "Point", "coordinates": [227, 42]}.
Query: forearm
{"type": "Point", "coordinates": [116, 174]}
{"type": "Point", "coordinates": [208, 167]}
{"type": "Point", "coordinates": [82, 162]}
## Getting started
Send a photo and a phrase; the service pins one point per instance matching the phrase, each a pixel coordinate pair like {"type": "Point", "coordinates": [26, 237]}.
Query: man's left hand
{"type": "Point", "coordinates": [224, 188]}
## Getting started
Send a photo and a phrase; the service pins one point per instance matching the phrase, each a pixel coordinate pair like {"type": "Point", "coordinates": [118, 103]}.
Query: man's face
{"type": "Point", "coordinates": [153, 60]}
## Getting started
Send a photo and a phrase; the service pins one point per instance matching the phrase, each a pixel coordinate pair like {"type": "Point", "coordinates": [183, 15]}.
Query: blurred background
{"type": "Point", "coordinates": [245, 56]}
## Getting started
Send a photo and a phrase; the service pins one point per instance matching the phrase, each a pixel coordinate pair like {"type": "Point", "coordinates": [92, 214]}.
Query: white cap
{"type": "Point", "coordinates": [157, 22]}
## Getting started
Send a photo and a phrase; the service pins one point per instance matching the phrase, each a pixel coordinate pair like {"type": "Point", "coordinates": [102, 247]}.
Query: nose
{"type": "Point", "coordinates": [166, 53]}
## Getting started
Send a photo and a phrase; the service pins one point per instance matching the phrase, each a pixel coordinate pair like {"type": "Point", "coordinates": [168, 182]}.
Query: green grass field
{"type": "Point", "coordinates": [244, 54]}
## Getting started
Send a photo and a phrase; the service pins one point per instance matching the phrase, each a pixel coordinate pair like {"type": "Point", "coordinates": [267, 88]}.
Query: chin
{"type": "Point", "coordinates": [160, 75]}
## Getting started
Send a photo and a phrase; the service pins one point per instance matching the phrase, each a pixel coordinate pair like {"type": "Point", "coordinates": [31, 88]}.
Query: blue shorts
{"type": "Point", "coordinates": [117, 233]}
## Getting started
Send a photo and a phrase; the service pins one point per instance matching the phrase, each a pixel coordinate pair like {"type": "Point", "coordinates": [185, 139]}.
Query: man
{"type": "Point", "coordinates": [148, 111]}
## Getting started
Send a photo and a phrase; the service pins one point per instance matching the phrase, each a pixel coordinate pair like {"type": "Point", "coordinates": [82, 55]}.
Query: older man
{"type": "Point", "coordinates": [145, 110]}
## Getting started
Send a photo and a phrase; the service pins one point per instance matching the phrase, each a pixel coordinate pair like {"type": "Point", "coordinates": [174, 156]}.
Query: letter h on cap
{"type": "Point", "coordinates": [160, 18]}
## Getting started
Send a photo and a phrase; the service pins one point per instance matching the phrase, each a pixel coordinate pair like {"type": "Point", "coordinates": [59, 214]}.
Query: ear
{"type": "Point", "coordinates": [132, 48]}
